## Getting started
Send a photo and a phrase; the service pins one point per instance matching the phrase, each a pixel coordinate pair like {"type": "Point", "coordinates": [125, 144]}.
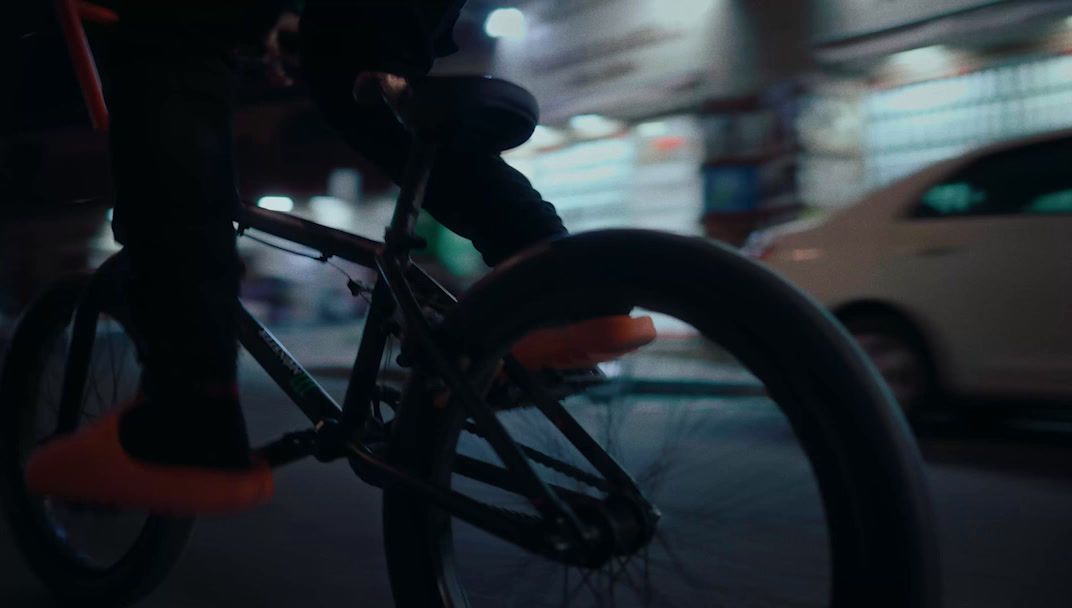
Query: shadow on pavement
{"type": "Point", "coordinates": [1012, 438]}
{"type": "Point", "coordinates": [27, 597]}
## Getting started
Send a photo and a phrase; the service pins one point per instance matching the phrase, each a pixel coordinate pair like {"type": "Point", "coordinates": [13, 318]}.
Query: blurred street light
{"type": "Point", "coordinates": [546, 137]}
{"type": "Point", "coordinates": [276, 203]}
{"type": "Point", "coordinates": [506, 23]}
{"type": "Point", "coordinates": [927, 61]}
{"type": "Point", "coordinates": [332, 211]}
{"type": "Point", "coordinates": [594, 126]}
{"type": "Point", "coordinates": [655, 128]}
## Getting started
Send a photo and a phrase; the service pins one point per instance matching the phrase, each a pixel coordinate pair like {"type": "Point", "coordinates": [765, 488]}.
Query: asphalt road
{"type": "Point", "coordinates": [1003, 491]}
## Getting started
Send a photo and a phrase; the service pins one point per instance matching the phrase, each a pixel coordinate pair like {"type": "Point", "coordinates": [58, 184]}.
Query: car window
{"type": "Point", "coordinates": [1033, 179]}
{"type": "Point", "coordinates": [953, 198]}
{"type": "Point", "coordinates": [1054, 202]}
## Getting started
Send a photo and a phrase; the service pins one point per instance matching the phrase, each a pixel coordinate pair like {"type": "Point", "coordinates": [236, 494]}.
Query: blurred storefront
{"type": "Point", "coordinates": [709, 117]}
{"type": "Point", "coordinates": [906, 84]}
{"type": "Point", "coordinates": [667, 119]}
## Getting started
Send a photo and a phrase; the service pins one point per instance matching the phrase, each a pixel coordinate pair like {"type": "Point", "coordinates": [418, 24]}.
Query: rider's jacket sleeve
{"type": "Point", "coordinates": [399, 36]}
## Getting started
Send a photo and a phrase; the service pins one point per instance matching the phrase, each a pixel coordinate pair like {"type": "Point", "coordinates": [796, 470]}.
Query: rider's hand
{"type": "Point", "coordinates": [274, 54]}
{"type": "Point", "coordinates": [373, 86]}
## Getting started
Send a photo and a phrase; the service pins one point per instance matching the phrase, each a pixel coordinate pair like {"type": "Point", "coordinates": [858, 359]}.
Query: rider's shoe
{"type": "Point", "coordinates": [91, 466]}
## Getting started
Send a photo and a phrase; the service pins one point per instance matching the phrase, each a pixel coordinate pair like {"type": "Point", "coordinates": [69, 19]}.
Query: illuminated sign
{"type": "Point", "coordinates": [628, 56]}
{"type": "Point", "coordinates": [837, 19]}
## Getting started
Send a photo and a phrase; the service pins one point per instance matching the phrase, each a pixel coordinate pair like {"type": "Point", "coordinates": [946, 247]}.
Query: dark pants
{"type": "Point", "coordinates": [171, 102]}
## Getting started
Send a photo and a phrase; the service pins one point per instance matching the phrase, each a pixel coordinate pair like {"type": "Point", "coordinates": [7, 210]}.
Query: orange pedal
{"type": "Point", "coordinates": [91, 467]}
{"type": "Point", "coordinates": [584, 344]}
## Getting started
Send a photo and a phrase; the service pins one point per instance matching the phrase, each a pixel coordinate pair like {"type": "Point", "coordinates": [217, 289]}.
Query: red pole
{"type": "Point", "coordinates": [95, 13]}
{"type": "Point", "coordinates": [82, 59]}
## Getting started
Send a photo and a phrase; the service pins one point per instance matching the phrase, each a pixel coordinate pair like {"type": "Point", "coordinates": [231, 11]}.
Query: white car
{"type": "Point", "coordinates": [955, 280]}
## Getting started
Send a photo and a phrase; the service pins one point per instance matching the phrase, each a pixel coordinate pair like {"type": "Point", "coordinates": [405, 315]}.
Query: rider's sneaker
{"type": "Point", "coordinates": [91, 466]}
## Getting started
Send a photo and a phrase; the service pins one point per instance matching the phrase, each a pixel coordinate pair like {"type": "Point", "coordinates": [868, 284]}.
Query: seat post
{"type": "Point", "coordinates": [70, 14]}
{"type": "Point", "coordinates": [400, 237]}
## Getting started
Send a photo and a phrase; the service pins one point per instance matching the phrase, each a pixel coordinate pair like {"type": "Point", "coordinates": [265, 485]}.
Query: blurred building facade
{"type": "Point", "coordinates": [744, 113]}
{"type": "Point", "coordinates": [675, 120]}
{"type": "Point", "coordinates": [901, 85]}
{"type": "Point", "coordinates": [704, 117]}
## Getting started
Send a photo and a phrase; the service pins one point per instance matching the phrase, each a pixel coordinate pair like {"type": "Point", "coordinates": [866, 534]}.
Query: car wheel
{"type": "Point", "coordinates": [900, 356]}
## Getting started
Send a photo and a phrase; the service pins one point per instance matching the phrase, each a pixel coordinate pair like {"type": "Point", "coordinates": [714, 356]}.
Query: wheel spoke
{"type": "Point", "coordinates": [727, 472]}
{"type": "Point", "coordinates": [123, 357]}
{"type": "Point", "coordinates": [89, 538]}
{"type": "Point", "coordinates": [115, 372]}
{"type": "Point", "coordinates": [555, 464]}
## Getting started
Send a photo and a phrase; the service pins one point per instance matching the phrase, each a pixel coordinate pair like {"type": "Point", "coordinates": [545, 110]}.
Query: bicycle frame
{"type": "Point", "coordinates": [400, 292]}
{"type": "Point", "coordinates": [391, 257]}
{"type": "Point", "coordinates": [399, 296]}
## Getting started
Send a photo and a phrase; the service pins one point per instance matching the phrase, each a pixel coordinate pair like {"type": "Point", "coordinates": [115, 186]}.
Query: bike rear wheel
{"type": "Point", "coordinates": [81, 553]}
{"type": "Point", "coordinates": [785, 473]}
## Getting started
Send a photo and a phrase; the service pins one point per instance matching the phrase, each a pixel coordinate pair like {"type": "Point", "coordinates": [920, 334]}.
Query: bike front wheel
{"type": "Point", "coordinates": [783, 471]}
{"type": "Point", "coordinates": [83, 554]}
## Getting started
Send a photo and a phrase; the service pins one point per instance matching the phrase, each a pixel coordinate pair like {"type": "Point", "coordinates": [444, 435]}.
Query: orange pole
{"type": "Point", "coordinates": [82, 60]}
{"type": "Point", "coordinates": [96, 13]}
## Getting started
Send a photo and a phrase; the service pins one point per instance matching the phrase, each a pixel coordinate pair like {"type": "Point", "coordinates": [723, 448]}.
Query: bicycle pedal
{"type": "Point", "coordinates": [376, 431]}
{"type": "Point", "coordinates": [577, 380]}
{"type": "Point", "coordinates": [368, 467]}
{"type": "Point", "coordinates": [557, 384]}
{"type": "Point", "coordinates": [379, 449]}
{"type": "Point", "coordinates": [290, 448]}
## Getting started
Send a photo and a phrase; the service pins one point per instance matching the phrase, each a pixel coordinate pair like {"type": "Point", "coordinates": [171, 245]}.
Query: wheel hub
{"type": "Point", "coordinates": [621, 526]}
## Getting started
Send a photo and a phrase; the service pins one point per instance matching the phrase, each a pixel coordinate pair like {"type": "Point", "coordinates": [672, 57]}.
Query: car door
{"type": "Point", "coordinates": [985, 257]}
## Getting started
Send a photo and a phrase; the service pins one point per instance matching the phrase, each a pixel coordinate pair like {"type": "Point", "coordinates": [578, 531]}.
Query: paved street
{"type": "Point", "coordinates": [1003, 491]}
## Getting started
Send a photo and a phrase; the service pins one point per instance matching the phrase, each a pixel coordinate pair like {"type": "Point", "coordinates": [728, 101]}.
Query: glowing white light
{"type": "Point", "coordinates": [688, 13]}
{"type": "Point", "coordinates": [276, 203]}
{"type": "Point", "coordinates": [506, 23]}
{"type": "Point", "coordinates": [655, 128]}
{"type": "Point", "coordinates": [109, 213]}
{"type": "Point", "coordinates": [546, 137]}
{"type": "Point", "coordinates": [928, 59]}
{"type": "Point", "coordinates": [332, 211]}
{"type": "Point", "coordinates": [345, 184]}
{"type": "Point", "coordinates": [930, 94]}
{"type": "Point", "coordinates": [594, 125]}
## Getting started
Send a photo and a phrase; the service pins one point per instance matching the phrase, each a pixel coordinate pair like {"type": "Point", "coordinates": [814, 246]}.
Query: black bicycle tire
{"type": "Point", "coordinates": [161, 541]}
{"type": "Point", "coordinates": [869, 467]}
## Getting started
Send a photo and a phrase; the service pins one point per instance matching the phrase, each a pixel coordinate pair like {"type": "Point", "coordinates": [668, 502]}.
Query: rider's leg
{"type": "Point", "coordinates": [170, 133]}
{"type": "Point", "coordinates": [182, 448]}
{"type": "Point", "coordinates": [473, 193]}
